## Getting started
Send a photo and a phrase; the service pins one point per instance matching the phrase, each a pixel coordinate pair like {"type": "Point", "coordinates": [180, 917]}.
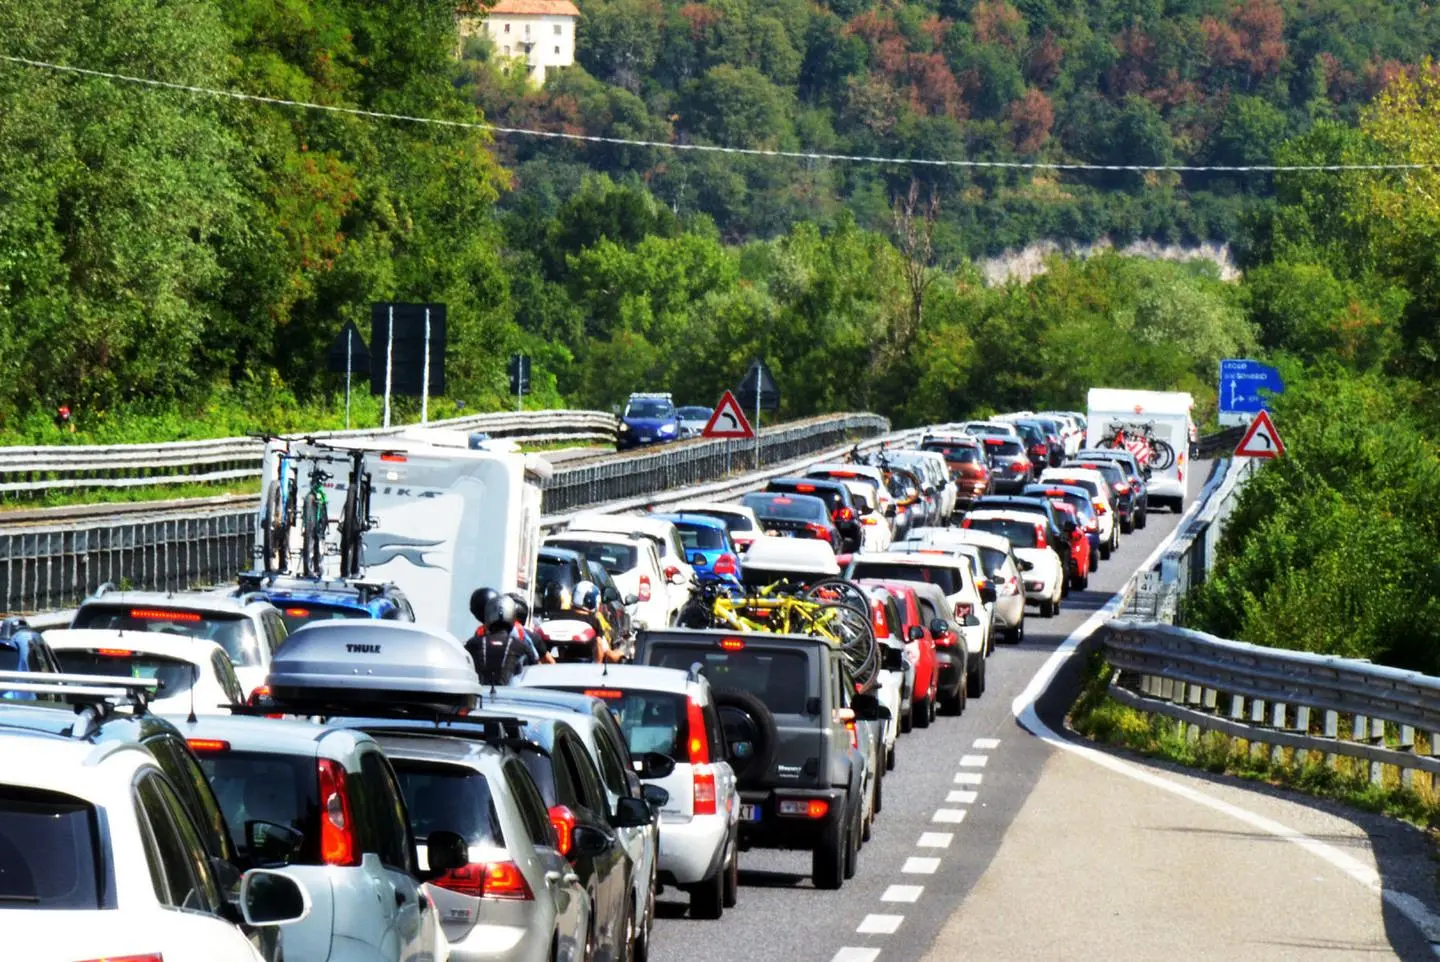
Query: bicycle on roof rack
{"type": "Point", "coordinates": [284, 509]}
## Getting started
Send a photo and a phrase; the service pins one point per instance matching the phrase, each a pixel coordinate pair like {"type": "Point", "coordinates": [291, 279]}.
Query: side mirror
{"type": "Point", "coordinates": [444, 852]}
{"type": "Point", "coordinates": [631, 600]}
{"type": "Point", "coordinates": [271, 898]}
{"type": "Point", "coordinates": [868, 708]}
{"type": "Point", "coordinates": [938, 626]}
{"type": "Point", "coordinates": [653, 765]}
{"type": "Point", "coordinates": [592, 842]}
{"type": "Point", "coordinates": [915, 633]}
{"type": "Point", "coordinates": [270, 843]}
{"type": "Point", "coordinates": [972, 621]}
{"type": "Point", "coordinates": [1025, 565]}
{"type": "Point", "coordinates": [987, 593]}
{"type": "Point", "coordinates": [611, 595]}
{"type": "Point", "coordinates": [655, 796]}
{"type": "Point", "coordinates": [632, 813]}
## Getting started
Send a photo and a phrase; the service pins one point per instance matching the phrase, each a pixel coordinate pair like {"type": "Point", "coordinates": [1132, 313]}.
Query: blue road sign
{"type": "Point", "coordinates": [1241, 381]}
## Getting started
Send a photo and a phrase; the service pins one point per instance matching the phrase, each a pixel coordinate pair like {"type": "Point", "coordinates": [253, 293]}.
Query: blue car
{"type": "Point", "coordinates": [23, 649]}
{"type": "Point", "coordinates": [648, 419]}
{"type": "Point", "coordinates": [303, 600]}
{"type": "Point", "coordinates": [708, 547]}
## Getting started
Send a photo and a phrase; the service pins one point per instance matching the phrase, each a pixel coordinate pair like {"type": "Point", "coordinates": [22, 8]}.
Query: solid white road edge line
{"type": "Point", "coordinates": [1023, 708]}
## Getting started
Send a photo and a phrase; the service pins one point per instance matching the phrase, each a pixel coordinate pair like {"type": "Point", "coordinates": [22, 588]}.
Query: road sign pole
{"type": "Point", "coordinates": [389, 362]}
{"type": "Point", "coordinates": [757, 426]}
{"type": "Point", "coordinates": [425, 384]}
{"type": "Point", "coordinates": [349, 354]}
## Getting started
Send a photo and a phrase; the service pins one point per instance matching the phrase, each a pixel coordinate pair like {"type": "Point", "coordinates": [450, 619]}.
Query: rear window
{"type": "Point", "coordinates": [615, 557]}
{"type": "Point", "coordinates": [49, 847]}
{"type": "Point", "coordinates": [798, 508]}
{"type": "Point", "coordinates": [781, 679]}
{"type": "Point", "coordinates": [652, 721]}
{"type": "Point", "coordinates": [993, 560]}
{"type": "Point", "coordinates": [1112, 471]}
{"type": "Point", "coordinates": [734, 522]}
{"type": "Point", "coordinates": [560, 571]}
{"type": "Point", "coordinates": [1001, 447]}
{"type": "Point", "coordinates": [1086, 483]}
{"type": "Point", "coordinates": [832, 497]}
{"type": "Point", "coordinates": [233, 632]}
{"type": "Point", "coordinates": [175, 676]}
{"type": "Point", "coordinates": [947, 578]}
{"type": "Point", "coordinates": [1020, 533]}
{"type": "Point", "coordinates": [298, 613]}
{"type": "Point", "coordinates": [264, 787]}
{"type": "Point", "coordinates": [699, 537]}
{"type": "Point", "coordinates": [448, 797]}
{"type": "Point", "coordinates": [957, 453]}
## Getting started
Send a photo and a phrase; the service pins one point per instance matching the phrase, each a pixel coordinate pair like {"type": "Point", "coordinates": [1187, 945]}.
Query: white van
{"type": "Point", "coordinates": [1167, 414]}
{"type": "Point", "coordinates": [447, 518]}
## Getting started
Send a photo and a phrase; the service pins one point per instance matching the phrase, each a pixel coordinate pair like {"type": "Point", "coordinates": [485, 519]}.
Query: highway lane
{"type": "Point", "coordinates": [781, 917]}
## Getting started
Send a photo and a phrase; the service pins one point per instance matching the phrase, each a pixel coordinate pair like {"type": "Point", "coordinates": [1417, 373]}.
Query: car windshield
{"type": "Point", "coordinates": [699, 537]}
{"type": "Point", "coordinates": [694, 414]}
{"type": "Point", "coordinates": [649, 409]}
{"type": "Point", "coordinates": [233, 632]}
{"type": "Point", "coordinates": [1020, 533]}
{"type": "Point", "coordinates": [48, 850]}
{"type": "Point", "coordinates": [616, 557]}
{"type": "Point", "coordinates": [266, 787]}
{"type": "Point", "coordinates": [955, 453]}
{"type": "Point", "coordinates": [298, 613]}
{"type": "Point", "coordinates": [946, 577]}
{"type": "Point", "coordinates": [781, 679]}
{"type": "Point", "coordinates": [448, 798]}
{"type": "Point", "coordinates": [175, 676]}
{"type": "Point", "coordinates": [786, 508]}
{"type": "Point", "coordinates": [652, 721]}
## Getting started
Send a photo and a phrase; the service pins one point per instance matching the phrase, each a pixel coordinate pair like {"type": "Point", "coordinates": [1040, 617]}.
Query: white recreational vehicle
{"type": "Point", "coordinates": [1166, 414]}
{"type": "Point", "coordinates": [449, 516]}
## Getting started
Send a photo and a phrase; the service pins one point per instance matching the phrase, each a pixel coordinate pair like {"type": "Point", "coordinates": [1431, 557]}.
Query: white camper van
{"type": "Point", "coordinates": [449, 516]}
{"type": "Point", "coordinates": [1167, 415]}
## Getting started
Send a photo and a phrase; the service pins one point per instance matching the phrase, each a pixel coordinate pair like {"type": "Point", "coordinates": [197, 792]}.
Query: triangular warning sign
{"type": "Point", "coordinates": [728, 421]}
{"type": "Point", "coordinates": [1262, 440]}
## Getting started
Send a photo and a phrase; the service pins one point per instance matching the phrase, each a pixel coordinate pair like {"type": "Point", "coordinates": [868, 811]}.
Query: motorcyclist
{"type": "Point", "coordinates": [585, 602]}
{"type": "Point", "coordinates": [497, 651]}
{"type": "Point", "coordinates": [537, 650]}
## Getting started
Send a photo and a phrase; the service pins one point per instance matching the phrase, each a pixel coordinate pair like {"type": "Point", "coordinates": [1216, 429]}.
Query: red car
{"type": "Point", "coordinates": [919, 648]}
{"type": "Point", "coordinates": [1079, 576]}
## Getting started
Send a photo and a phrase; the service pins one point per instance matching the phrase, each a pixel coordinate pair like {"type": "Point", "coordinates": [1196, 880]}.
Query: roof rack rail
{"type": "Point", "coordinates": [92, 696]}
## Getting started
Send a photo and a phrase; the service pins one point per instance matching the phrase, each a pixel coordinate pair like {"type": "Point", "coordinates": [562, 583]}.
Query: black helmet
{"type": "Point", "coordinates": [552, 598]}
{"type": "Point", "coordinates": [480, 600]}
{"type": "Point", "coordinates": [499, 613]}
{"type": "Point", "coordinates": [522, 607]}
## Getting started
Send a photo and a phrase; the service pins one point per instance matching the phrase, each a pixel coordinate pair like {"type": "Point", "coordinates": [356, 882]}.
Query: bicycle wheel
{"type": "Point", "coordinates": [272, 532]}
{"type": "Point", "coordinates": [352, 531]}
{"type": "Point", "coordinates": [312, 536]}
{"type": "Point", "coordinates": [840, 591]}
{"type": "Point", "coordinates": [1162, 454]}
{"type": "Point", "coordinates": [851, 631]}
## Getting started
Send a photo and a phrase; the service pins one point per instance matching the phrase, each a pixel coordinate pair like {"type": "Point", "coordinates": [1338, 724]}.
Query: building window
{"type": "Point", "coordinates": [559, 30]}
{"type": "Point", "coordinates": [557, 49]}
{"type": "Point", "coordinates": [507, 50]}
{"type": "Point", "coordinates": [527, 29]}
{"type": "Point", "coordinates": [507, 28]}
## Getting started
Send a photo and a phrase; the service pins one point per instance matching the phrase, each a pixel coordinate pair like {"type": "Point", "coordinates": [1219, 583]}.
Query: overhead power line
{"type": "Point", "coordinates": [710, 148]}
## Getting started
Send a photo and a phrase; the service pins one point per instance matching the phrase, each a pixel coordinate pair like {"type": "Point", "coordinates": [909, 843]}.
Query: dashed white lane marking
{"type": "Point", "coordinates": [987, 744]}
{"type": "Point", "coordinates": [935, 840]}
{"type": "Point", "coordinates": [852, 954]}
{"type": "Point", "coordinates": [973, 761]}
{"type": "Point", "coordinates": [903, 893]}
{"type": "Point", "coordinates": [968, 778]}
{"type": "Point", "coordinates": [962, 796]}
{"type": "Point", "coordinates": [949, 816]}
{"type": "Point", "coordinates": [915, 865]}
{"type": "Point", "coordinates": [880, 924]}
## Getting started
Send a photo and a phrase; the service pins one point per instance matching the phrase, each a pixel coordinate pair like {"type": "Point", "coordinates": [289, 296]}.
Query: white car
{"type": "Point", "coordinates": [954, 575]}
{"type": "Point", "coordinates": [996, 426]}
{"type": "Point", "coordinates": [675, 564]}
{"type": "Point", "coordinates": [993, 555]}
{"type": "Point", "coordinates": [936, 473]}
{"type": "Point", "coordinates": [1045, 578]}
{"type": "Point", "coordinates": [191, 672]}
{"type": "Point", "coordinates": [635, 565]}
{"type": "Point", "coordinates": [873, 476]}
{"type": "Point", "coordinates": [102, 861]}
{"type": "Point", "coordinates": [673, 712]}
{"type": "Point", "coordinates": [740, 521]}
{"type": "Point", "coordinates": [1094, 482]}
{"type": "Point", "coordinates": [875, 531]}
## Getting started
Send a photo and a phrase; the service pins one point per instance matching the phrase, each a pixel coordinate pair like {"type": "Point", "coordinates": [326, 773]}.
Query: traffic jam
{"type": "Point", "coordinates": [423, 728]}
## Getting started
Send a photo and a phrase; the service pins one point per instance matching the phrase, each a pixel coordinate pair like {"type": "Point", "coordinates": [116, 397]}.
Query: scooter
{"type": "Point", "coordinates": [571, 636]}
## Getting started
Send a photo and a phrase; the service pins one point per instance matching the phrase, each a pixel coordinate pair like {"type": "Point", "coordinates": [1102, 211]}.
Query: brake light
{"type": "Point", "coordinates": [805, 488]}
{"type": "Point", "coordinates": [149, 957]}
{"type": "Point", "coordinates": [1040, 536]}
{"type": "Point", "coordinates": [392, 457]}
{"type": "Point", "coordinates": [153, 614]}
{"type": "Point", "coordinates": [732, 644]}
{"type": "Point", "coordinates": [115, 652]}
{"type": "Point", "coordinates": [1019, 467]}
{"type": "Point", "coordinates": [644, 592]}
{"type": "Point", "coordinates": [1099, 506]}
{"type": "Point", "coordinates": [297, 612]}
{"type": "Point", "coordinates": [854, 734]}
{"type": "Point", "coordinates": [845, 514]}
{"type": "Point", "coordinates": [704, 782]}
{"type": "Point", "coordinates": [695, 721]}
{"type": "Point", "coordinates": [962, 610]}
{"type": "Point", "coordinates": [496, 880]}
{"type": "Point", "coordinates": [945, 639]}
{"type": "Point", "coordinates": [261, 692]}
{"type": "Point", "coordinates": [781, 501]}
{"type": "Point", "coordinates": [337, 827]}
{"type": "Point", "coordinates": [564, 822]}
{"type": "Point", "coordinates": [1122, 488]}
{"type": "Point", "coordinates": [814, 808]}
{"type": "Point", "coordinates": [877, 616]}
{"type": "Point", "coordinates": [609, 694]}
{"type": "Point", "coordinates": [671, 571]}
{"type": "Point", "coordinates": [726, 565]}
{"type": "Point", "coordinates": [964, 522]}
{"type": "Point", "coordinates": [207, 745]}
{"type": "Point", "coordinates": [818, 530]}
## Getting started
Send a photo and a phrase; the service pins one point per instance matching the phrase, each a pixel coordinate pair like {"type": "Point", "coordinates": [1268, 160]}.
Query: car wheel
{"type": "Point", "coordinates": [1047, 608]}
{"type": "Point", "coordinates": [954, 704]}
{"type": "Point", "coordinates": [1065, 580]}
{"type": "Point", "coordinates": [746, 719]}
{"type": "Point", "coordinates": [1105, 550]}
{"type": "Point", "coordinates": [975, 681]}
{"type": "Point", "coordinates": [890, 760]}
{"type": "Point", "coordinates": [1095, 560]}
{"type": "Point", "coordinates": [907, 720]}
{"type": "Point", "coordinates": [1056, 609]}
{"type": "Point", "coordinates": [1084, 582]}
{"type": "Point", "coordinates": [732, 877]}
{"type": "Point", "coordinates": [1140, 518]}
{"type": "Point", "coordinates": [1015, 635]}
{"type": "Point", "coordinates": [1126, 527]}
{"type": "Point", "coordinates": [922, 713]}
{"type": "Point", "coordinates": [827, 864]}
{"type": "Point", "coordinates": [707, 898]}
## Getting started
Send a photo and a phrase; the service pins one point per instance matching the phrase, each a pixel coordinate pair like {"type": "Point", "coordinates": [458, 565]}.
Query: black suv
{"type": "Point", "coordinates": [837, 497]}
{"type": "Point", "coordinates": [788, 707]}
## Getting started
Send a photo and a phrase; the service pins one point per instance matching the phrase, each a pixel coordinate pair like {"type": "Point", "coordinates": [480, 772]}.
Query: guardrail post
{"type": "Point", "coordinates": [1277, 721]}
{"type": "Point", "coordinates": [1332, 732]}
{"type": "Point", "coordinates": [1377, 737]}
{"type": "Point", "coordinates": [1302, 726]}
{"type": "Point", "coordinates": [1407, 744]}
{"type": "Point", "coordinates": [1257, 718]}
{"type": "Point", "coordinates": [1237, 707]}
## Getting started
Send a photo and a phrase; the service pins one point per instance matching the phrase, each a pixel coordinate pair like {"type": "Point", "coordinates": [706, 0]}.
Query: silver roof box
{"type": "Point", "coordinates": [344, 666]}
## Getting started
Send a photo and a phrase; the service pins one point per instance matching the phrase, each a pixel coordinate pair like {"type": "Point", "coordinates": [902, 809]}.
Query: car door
{"type": "Point", "coordinates": [572, 908]}
{"type": "Point", "coordinates": [642, 843]}
{"type": "Point", "coordinates": [611, 869]}
{"type": "Point", "coordinates": [403, 927]}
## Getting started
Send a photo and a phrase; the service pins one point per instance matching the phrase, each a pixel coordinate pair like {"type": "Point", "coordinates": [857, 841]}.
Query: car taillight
{"type": "Point", "coordinates": [704, 780]}
{"type": "Point", "coordinates": [1122, 488]}
{"type": "Point", "coordinates": [962, 611]}
{"type": "Point", "coordinates": [1034, 586]}
{"type": "Point", "coordinates": [845, 514]}
{"type": "Point", "coordinates": [1011, 586]}
{"type": "Point", "coordinates": [644, 593]}
{"type": "Point", "coordinates": [564, 822]}
{"type": "Point", "coordinates": [1019, 467]}
{"type": "Point", "coordinates": [493, 880]}
{"type": "Point", "coordinates": [818, 531]}
{"type": "Point", "coordinates": [964, 522]}
{"type": "Point", "coordinates": [945, 639]}
{"type": "Point", "coordinates": [207, 745]}
{"type": "Point", "coordinates": [854, 734]}
{"type": "Point", "coordinates": [813, 808]}
{"type": "Point", "coordinates": [725, 565]}
{"type": "Point", "coordinates": [337, 827]}
{"type": "Point", "coordinates": [1092, 525]}
{"type": "Point", "coordinates": [671, 572]}
{"type": "Point", "coordinates": [1040, 536]}
{"type": "Point", "coordinates": [699, 745]}
{"type": "Point", "coordinates": [149, 957]}
{"type": "Point", "coordinates": [1099, 507]}
{"type": "Point", "coordinates": [877, 618]}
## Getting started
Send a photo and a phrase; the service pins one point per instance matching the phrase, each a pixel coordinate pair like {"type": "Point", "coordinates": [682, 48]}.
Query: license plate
{"type": "Point", "coordinates": [749, 813]}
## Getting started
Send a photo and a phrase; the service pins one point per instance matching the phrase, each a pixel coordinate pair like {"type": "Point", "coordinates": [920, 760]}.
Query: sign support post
{"type": "Point", "coordinates": [425, 377]}
{"type": "Point", "coordinates": [389, 362]}
{"type": "Point", "coordinates": [757, 430]}
{"type": "Point", "coordinates": [349, 363]}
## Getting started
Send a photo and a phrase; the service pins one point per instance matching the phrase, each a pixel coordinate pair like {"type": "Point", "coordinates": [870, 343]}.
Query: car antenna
{"type": "Point", "coordinates": [194, 680]}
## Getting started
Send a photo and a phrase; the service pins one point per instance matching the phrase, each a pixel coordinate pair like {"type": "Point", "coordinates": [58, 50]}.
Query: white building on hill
{"type": "Point", "coordinates": [541, 32]}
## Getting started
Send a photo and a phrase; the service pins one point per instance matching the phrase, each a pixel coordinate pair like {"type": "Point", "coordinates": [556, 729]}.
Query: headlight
{"type": "Point", "coordinates": [624, 427]}
{"type": "Point", "coordinates": [667, 429]}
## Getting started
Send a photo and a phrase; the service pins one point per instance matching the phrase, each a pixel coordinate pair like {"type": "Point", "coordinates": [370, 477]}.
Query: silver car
{"type": "Point", "coordinates": [518, 900]}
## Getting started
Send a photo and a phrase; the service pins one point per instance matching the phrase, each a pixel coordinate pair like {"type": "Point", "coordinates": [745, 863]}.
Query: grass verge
{"type": "Point", "coordinates": [149, 492]}
{"type": "Point", "coordinates": [1101, 718]}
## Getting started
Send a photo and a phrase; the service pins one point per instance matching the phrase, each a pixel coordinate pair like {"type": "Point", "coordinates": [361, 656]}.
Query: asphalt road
{"type": "Point", "coordinates": [905, 884]}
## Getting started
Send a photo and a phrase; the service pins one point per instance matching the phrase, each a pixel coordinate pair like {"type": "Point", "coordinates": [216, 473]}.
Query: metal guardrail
{"type": "Point", "coordinates": [53, 563]}
{"type": "Point", "coordinates": [32, 471]}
